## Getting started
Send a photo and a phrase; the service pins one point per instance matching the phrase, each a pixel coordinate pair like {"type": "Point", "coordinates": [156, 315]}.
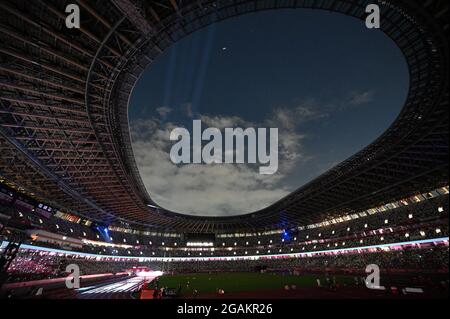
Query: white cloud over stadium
{"type": "Point", "coordinates": [226, 189]}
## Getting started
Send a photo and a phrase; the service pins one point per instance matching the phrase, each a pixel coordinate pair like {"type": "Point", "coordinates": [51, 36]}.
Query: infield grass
{"type": "Point", "coordinates": [242, 282]}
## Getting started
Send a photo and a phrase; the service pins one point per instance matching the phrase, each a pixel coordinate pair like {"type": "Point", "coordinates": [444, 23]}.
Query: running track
{"type": "Point", "coordinates": [118, 290]}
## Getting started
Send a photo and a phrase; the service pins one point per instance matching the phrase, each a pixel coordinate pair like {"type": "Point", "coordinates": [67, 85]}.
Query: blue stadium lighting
{"type": "Point", "coordinates": [104, 232]}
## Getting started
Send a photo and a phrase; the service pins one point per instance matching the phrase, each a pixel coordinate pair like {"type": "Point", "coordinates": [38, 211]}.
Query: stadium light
{"type": "Point", "coordinates": [440, 209]}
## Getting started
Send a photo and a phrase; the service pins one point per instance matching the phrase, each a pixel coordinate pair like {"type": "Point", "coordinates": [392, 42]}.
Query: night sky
{"type": "Point", "coordinates": [330, 85]}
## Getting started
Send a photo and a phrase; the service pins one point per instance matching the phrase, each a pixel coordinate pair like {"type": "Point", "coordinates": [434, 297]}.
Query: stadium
{"type": "Point", "coordinates": [77, 221]}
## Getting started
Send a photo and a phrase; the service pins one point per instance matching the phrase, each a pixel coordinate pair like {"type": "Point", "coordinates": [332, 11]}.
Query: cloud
{"type": "Point", "coordinates": [227, 189]}
{"type": "Point", "coordinates": [163, 111]}
{"type": "Point", "coordinates": [203, 189]}
{"type": "Point", "coordinates": [211, 190]}
{"type": "Point", "coordinates": [304, 111]}
{"type": "Point", "coordinates": [359, 98]}
{"type": "Point", "coordinates": [222, 122]}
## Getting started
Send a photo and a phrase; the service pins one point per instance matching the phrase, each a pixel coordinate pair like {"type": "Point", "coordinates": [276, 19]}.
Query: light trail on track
{"type": "Point", "coordinates": [118, 290]}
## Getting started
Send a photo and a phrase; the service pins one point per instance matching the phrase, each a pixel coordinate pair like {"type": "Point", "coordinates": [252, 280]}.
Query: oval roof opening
{"type": "Point", "coordinates": [326, 82]}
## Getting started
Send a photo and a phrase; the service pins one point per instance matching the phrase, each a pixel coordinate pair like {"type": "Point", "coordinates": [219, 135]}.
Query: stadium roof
{"type": "Point", "coordinates": [64, 132]}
